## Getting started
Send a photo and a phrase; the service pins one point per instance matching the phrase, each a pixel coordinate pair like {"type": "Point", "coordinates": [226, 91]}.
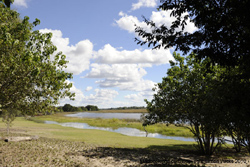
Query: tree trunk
{"type": "Point", "coordinates": [8, 128]}
{"type": "Point", "coordinates": [145, 131]}
{"type": "Point", "coordinates": [200, 142]}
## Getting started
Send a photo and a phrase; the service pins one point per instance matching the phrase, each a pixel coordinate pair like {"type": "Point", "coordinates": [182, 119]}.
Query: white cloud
{"type": "Point", "coordinates": [140, 95]}
{"type": "Point", "coordinates": [116, 72]}
{"type": "Point", "coordinates": [139, 85]}
{"type": "Point", "coordinates": [88, 88]}
{"type": "Point", "coordinates": [138, 98]}
{"type": "Point", "coordinates": [163, 18]}
{"type": "Point", "coordinates": [149, 57]}
{"type": "Point", "coordinates": [144, 3]}
{"type": "Point", "coordinates": [129, 23]}
{"type": "Point", "coordinates": [103, 98]}
{"type": "Point", "coordinates": [22, 3]}
{"type": "Point", "coordinates": [123, 76]}
{"type": "Point", "coordinates": [78, 55]}
{"type": "Point", "coordinates": [106, 98]}
{"type": "Point", "coordinates": [125, 69]}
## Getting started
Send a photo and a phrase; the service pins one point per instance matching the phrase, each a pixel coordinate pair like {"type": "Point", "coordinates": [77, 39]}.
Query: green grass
{"type": "Point", "coordinates": [103, 138]}
{"type": "Point", "coordinates": [114, 123]}
{"type": "Point", "coordinates": [65, 146]}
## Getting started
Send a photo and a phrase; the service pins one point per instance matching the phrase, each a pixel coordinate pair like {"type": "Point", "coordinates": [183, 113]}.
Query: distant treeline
{"type": "Point", "coordinates": [125, 108]}
{"type": "Point", "coordinates": [70, 108]}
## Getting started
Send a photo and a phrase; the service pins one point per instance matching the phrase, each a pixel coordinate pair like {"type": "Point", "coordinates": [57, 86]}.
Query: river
{"type": "Point", "coordinates": [106, 115]}
{"type": "Point", "coordinates": [124, 131]}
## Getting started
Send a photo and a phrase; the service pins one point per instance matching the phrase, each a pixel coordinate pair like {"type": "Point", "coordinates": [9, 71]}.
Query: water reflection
{"type": "Point", "coordinates": [106, 115]}
{"type": "Point", "coordinates": [124, 130]}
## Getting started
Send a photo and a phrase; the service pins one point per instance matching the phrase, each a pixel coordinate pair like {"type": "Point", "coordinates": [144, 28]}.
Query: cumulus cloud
{"type": "Point", "coordinates": [102, 98]}
{"type": "Point", "coordinates": [138, 98]}
{"type": "Point", "coordinates": [118, 72]}
{"type": "Point", "coordinates": [106, 98]}
{"type": "Point", "coordinates": [144, 3]}
{"type": "Point", "coordinates": [113, 68]}
{"type": "Point", "coordinates": [123, 76]}
{"type": "Point", "coordinates": [110, 55]}
{"type": "Point", "coordinates": [125, 69]}
{"type": "Point", "coordinates": [22, 3]}
{"type": "Point", "coordinates": [163, 18]}
{"type": "Point", "coordinates": [129, 23]}
{"type": "Point", "coordinates": [88, 88]}
{"type": "Point", "coordinates": [78, 55]}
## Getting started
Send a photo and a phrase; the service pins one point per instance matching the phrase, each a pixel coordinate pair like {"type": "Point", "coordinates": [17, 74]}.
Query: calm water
{"type": "Point", "coordinates": [106, 115]}
{"type": "Point", "coordinates": [125, 131]}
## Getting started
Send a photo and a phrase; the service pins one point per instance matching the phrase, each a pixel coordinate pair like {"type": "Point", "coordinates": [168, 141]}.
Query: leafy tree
{"type": "Point", "coordinates": [187, 98]}
{"type": "Point", "coordinates": [235, 105]}
{"type": "Point", "coordinates": [223, 36]}
{"type": "Point", "coordinates": [67, 108]}
{"type": "Point", "coordinates": [223, 32]}
{"type": "Point", "coordinates": [92, 108]}
{"type": "Point", "coordinates": [70, 108]}
{"type": "Point", "coordinates": [84, 108]}
{"type": "Point", "coordinates": [31, 80]}
{"type": "Point", "coordinates": [6, 3]}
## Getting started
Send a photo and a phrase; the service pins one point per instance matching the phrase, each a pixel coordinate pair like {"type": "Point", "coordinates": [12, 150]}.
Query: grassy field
{"type": "Point", "coordinates": [65, 146]}
{"type": "Point", "coordinates": [98, 137]}
{"type": "Point", "coordinates": [170, 130]}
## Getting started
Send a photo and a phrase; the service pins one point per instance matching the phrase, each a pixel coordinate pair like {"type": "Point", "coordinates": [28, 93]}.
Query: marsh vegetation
{"type": "Point", "coordinates": [115, 123]}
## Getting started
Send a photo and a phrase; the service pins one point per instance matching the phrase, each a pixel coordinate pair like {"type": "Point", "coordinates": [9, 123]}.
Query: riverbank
{"type": "Point", "coordinates": [98, 137]}
{"type": "Point", "coordinates": [170, 130]}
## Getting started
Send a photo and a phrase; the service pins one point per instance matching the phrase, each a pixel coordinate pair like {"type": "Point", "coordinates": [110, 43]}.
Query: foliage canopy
{"type": "Point", "coordinates": [31, 72]}
{"type": "Point", "coordinates": [187, 98]}
{"type": "Point", "coordinates": [223, 32]}
{"type": "Point", "coordinates": [212, 88]}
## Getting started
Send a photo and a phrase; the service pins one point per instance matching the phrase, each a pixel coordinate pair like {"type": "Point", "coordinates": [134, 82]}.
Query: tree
{"type": "Point", "coordinates": [6, 3]}
{"type": "Point", "coordinates": [187, 98]}
{"type": "Point", "coordinates": [223, 36]}
{"type": "Point", "coordinates": [31, 79]}
{"type": "Point", "coordinates": [83, 108]}
{"type": "Point", "coordinates": [235, 105]}
{"type": "Point", "coordinates": [8, 116]}
{"type": "Point", "coordinates": [92, 108]}
{"type": "Point", "coordinates": [223, 33]}
{"type": "Point", "coordinates": [68, 108]}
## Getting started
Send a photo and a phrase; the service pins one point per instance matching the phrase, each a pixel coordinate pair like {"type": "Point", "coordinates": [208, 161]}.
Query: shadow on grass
{"type": "Point", "coordinates": [173, 155]}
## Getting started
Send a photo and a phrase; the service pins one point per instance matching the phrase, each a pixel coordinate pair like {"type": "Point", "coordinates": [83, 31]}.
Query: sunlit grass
{"type": "Point", "coordinates": [98, 137]}
{"type": "Point", "coordinates": [114, 123]}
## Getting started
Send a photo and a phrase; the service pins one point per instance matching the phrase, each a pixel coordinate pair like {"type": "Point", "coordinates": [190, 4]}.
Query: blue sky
{"type": "Point", "coordinates": [109, 68]}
